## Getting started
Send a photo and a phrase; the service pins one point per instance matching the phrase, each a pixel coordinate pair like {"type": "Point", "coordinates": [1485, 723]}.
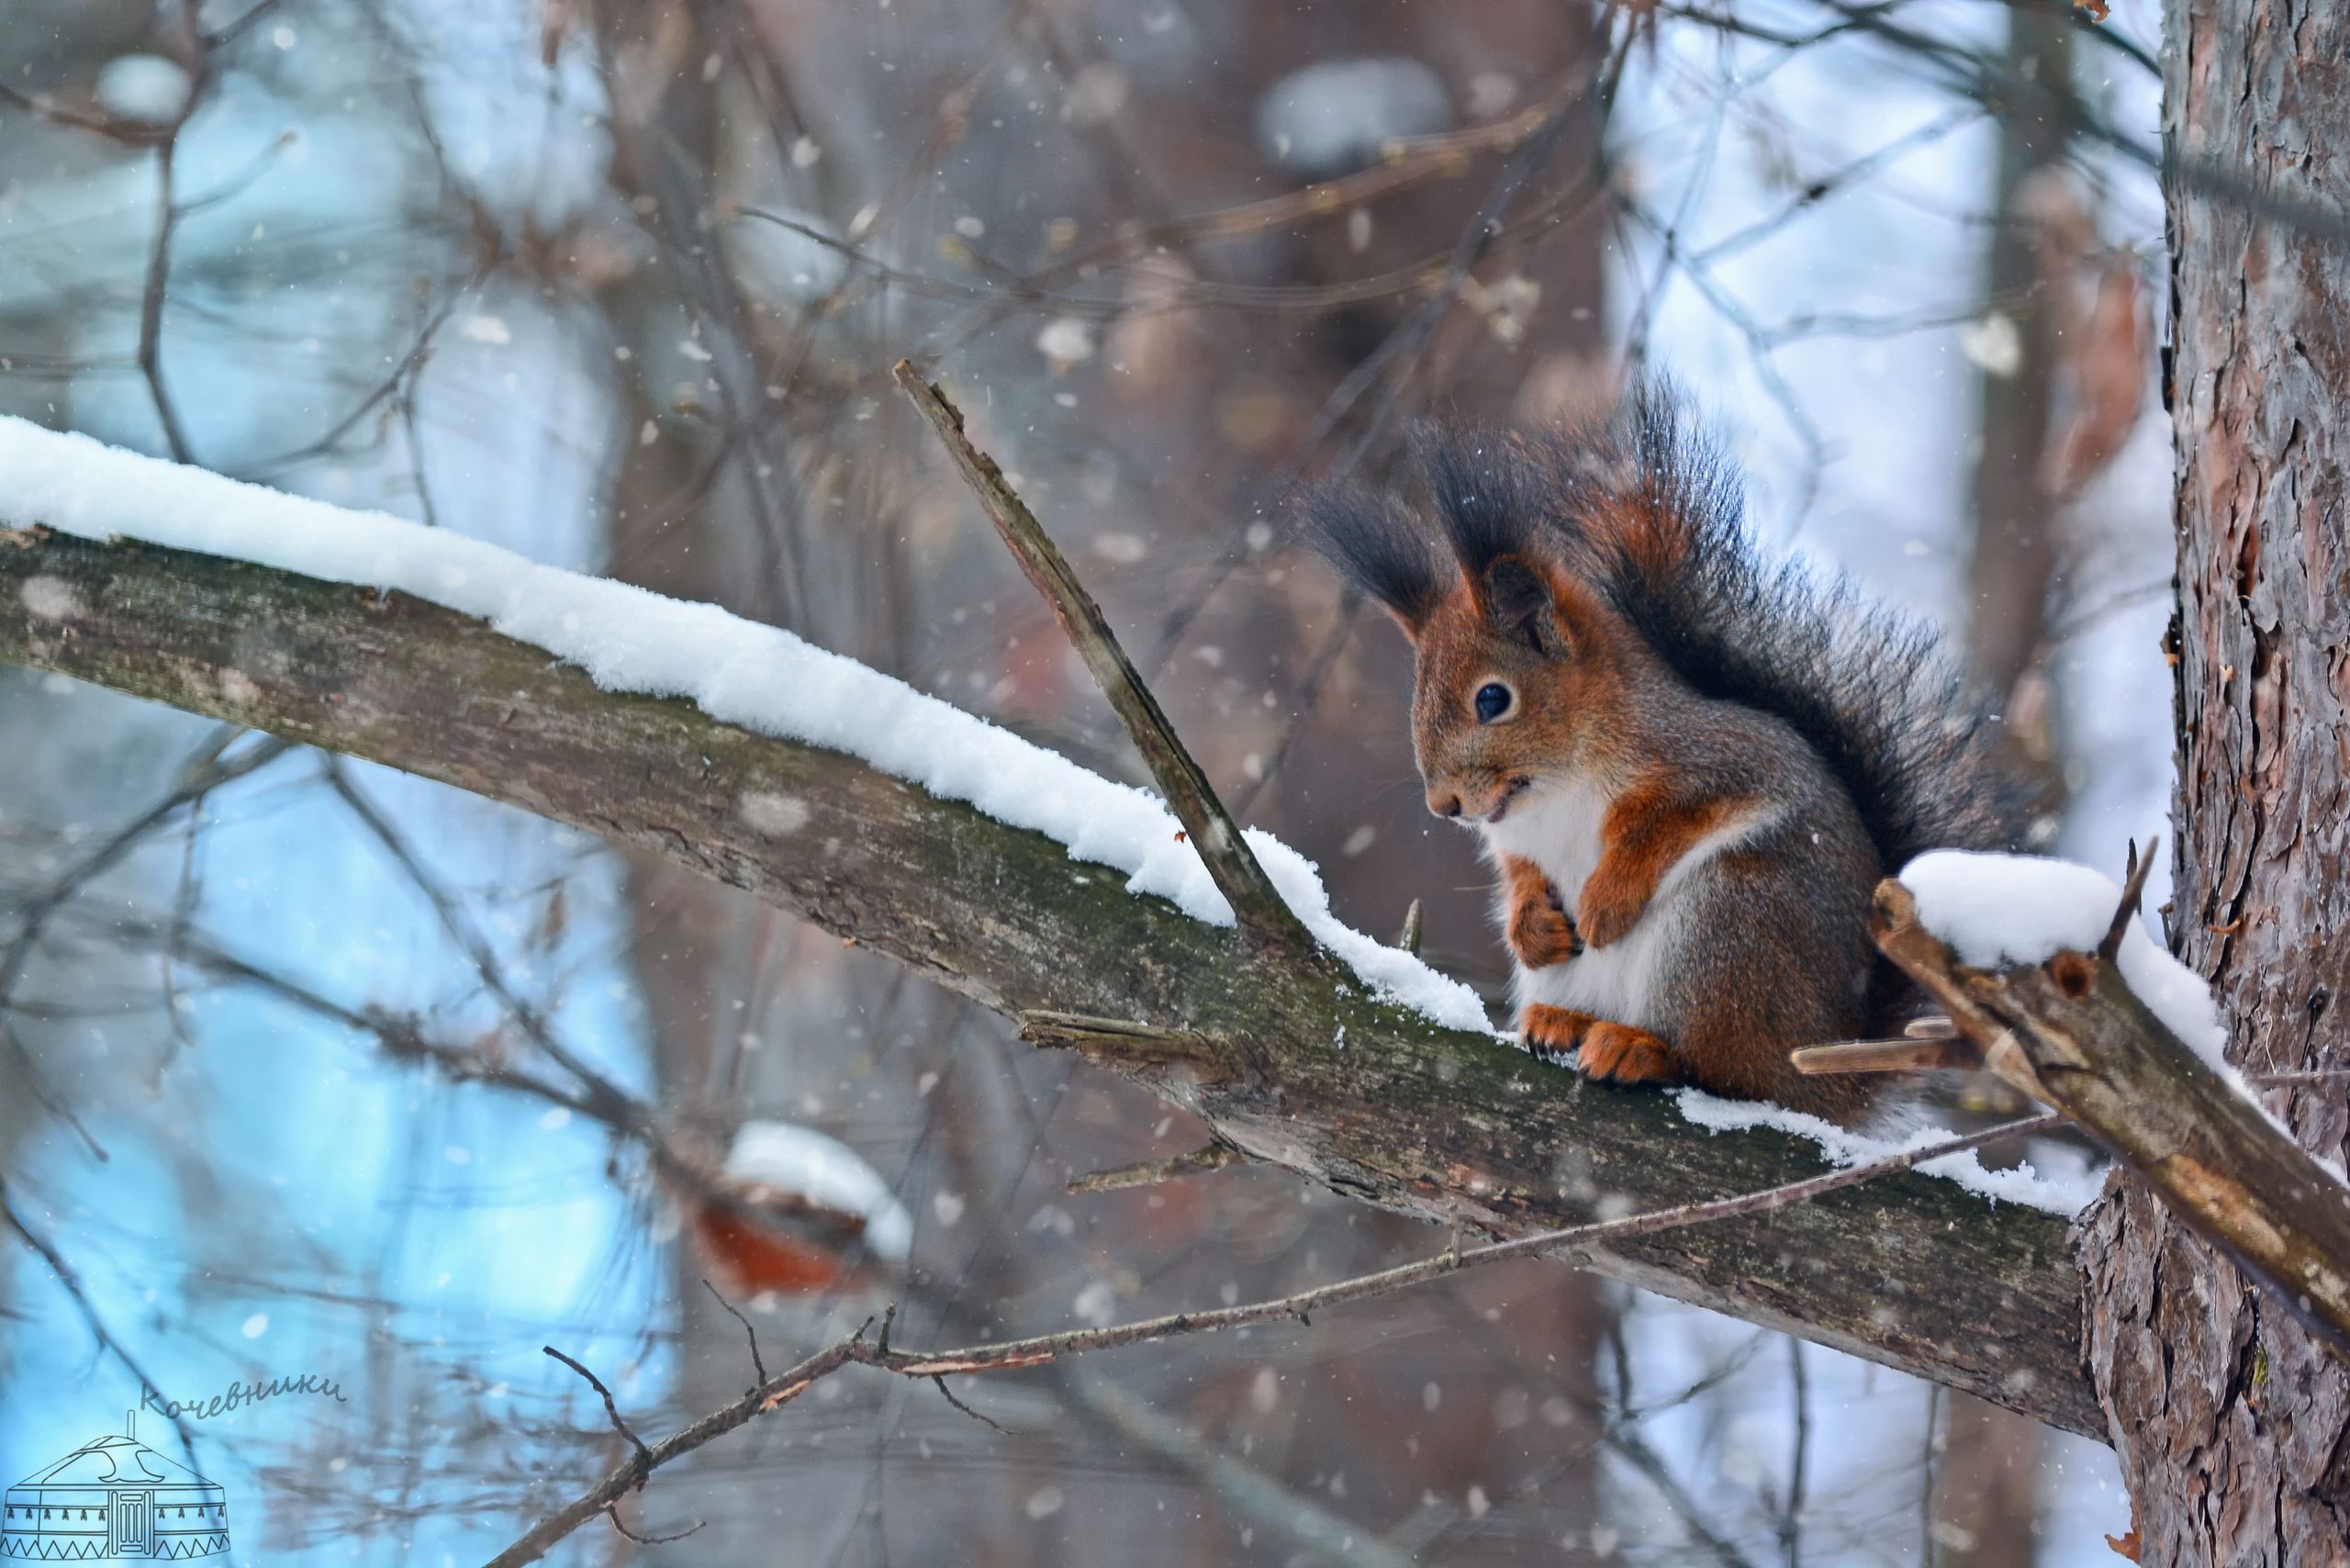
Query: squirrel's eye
{"type": "Point", "coordinates": [1493, 701]}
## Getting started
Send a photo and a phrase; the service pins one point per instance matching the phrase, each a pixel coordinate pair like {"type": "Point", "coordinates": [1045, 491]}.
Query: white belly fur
{"type": "Point", "coordinates": [1559, 831]}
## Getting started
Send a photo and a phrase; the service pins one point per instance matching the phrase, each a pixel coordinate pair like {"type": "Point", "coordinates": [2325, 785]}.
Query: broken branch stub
{"type": "Point", "coordinates": [2071, 1032]}
{"type": "Point", "coordinates": [1255, 904]}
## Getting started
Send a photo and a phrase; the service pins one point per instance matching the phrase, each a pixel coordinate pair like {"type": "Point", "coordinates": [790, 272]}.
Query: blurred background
{"type": "Point", "coordinates": [619, 286]}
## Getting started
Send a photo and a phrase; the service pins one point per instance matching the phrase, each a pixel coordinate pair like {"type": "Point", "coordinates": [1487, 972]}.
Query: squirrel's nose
{"type": "Point", "coordinates": [1444, 802]}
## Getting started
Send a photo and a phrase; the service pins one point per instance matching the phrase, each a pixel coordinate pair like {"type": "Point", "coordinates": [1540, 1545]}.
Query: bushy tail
{"type": "Point", "coordinates": [1651, 514]}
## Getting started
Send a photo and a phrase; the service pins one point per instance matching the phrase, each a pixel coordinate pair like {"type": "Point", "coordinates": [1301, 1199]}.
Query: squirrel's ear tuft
{"type": "Point", "coordinates": [1378, 547]}
{"type": "Point", "coordinates": [1517, 600]}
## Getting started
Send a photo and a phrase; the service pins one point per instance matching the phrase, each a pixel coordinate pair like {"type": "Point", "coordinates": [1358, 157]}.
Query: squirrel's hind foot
{"type": "Point", "coordinates": [1612, 1053]}
{"type": "Point", "coordinates": [1618, 1053]}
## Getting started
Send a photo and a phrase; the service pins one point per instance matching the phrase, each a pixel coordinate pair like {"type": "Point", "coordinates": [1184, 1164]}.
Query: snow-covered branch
{"type": "Point", "coordinates": [2044, 966]}
{"type": "Point", "coordinates": [1000, 870]}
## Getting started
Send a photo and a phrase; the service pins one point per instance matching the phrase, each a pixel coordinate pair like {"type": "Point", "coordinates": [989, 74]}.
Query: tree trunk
{"type": "Point", "coordinates": [2015, 516]}
{"type": "Point", "coordinates": [2233, 1425]}
{"type": "Point", "coordinates": [1987, 1502]}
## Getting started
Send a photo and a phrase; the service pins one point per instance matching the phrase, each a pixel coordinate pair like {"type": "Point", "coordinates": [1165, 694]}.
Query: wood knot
{"type": "Point", "coordinates": [2074, 973]}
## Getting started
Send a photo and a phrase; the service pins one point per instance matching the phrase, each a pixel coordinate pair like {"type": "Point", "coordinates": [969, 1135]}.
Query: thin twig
{"type": "Point", "coordinates": [1904, 1054]}
{"type": "Point", "coordinates": [757, 1365]}
{"type": "Point", "coordinates": [643, 1464]}
{"type": "Point", "coordinates": [127, 133]}
{"type": "Point", "coordinates": [475, 947]}
{"type": "Point", "coordinates": [613, 1514]}
{"type": "Point", "coordinates": [940, 1383]}
{"type": "Point", "coordinates": [230, 32]}
{"type": "Point", "coordinates": [37, 911]}
{"type": "Point", "coordinates": [1255, 904]}
{"type": "Point", "coordinates": [1403, 161]}
{"type": "Point", "coordinates": [644, 1454]}
{"type": "Point", "coordinates": [1926, 1493]}
{"type": "Point", "coordinates": [2133, 891]}
{"type": "Point", "coordinates": [1791, 1521]}
{"type": "Point", "coordinates": [29, 1070]}
{"type": "Point", "coordinates": [72, 1284]}
{"type": "Point", "coordinates": [151, 303]}
{"type": "Point", "coordinates": [1041, 1350]}
{"type": "Point", "coordinates": [1306, 697]}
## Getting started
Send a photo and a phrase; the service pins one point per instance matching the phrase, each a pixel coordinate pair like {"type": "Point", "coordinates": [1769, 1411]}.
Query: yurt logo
{"type": "Point", "coordinates": [113, 1496]}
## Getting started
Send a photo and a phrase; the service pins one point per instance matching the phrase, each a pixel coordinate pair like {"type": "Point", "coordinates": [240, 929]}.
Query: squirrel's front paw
{"type": "Point", "coordinates": [1541, 933]}
{"type": "Point", "coordinates": [1604, 914]}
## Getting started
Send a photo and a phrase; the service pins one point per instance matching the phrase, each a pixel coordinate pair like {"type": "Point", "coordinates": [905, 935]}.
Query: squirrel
{"type": "Point", "coordinates": [1689, 766]}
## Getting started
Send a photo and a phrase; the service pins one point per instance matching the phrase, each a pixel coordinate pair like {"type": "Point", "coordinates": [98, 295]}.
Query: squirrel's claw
{"type": "Point", "coordinates": [1619, 1053]}
{"type": "Point", "coordinates": [1553, 1033]}
{"type": "Point", "coordinates": [1613, 1053]}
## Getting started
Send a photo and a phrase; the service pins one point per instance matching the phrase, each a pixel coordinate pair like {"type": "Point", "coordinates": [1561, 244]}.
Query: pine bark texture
{"type": "Point", "coordinates": [2233, 1425]}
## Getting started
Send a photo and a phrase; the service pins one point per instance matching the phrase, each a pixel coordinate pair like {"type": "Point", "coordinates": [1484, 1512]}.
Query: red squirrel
{"type": "Point", "coordinates": [1690, 766]}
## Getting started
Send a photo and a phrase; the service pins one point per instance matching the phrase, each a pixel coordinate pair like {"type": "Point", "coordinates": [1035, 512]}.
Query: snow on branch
{"type": "Point", "coordinates": [2045, 968]}
{"type": "Point", "coordinates": [739, 672]}
{"type": "Point", "coordinates": [825, 789]}
{"type": "Point", "coordinates": [1998, 911]}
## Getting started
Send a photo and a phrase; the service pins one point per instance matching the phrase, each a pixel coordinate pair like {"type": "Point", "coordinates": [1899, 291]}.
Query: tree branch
{"type": "Point", "coordinates": [1151, 1173]}
{"type": "Point", "coordinates": [2071, 1033]}
{"type": "Point", "coordinates": [1255, 904]}
{"type": "Point", "coordinates": [1363, 1096]}
{"type": "Point", "coordinates": [1040, 1350]}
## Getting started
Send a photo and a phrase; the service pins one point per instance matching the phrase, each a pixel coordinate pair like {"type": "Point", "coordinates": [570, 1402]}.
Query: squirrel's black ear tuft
{"type": "Point", "coordinates": [1378, 547]}
{"type": "Point", "coordinates": [1487, 490]}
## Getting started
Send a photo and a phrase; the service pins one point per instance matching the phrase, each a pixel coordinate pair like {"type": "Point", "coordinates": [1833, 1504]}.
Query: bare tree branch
{"type": "Point", "coordinates": [1256, 902]}
{"type": "Point", "coordinates": [1359, 1095]}
{"type": "Point", "coordinates": [71, 1282]}
{"type": "Point", "coordinates": [1042, 1348]}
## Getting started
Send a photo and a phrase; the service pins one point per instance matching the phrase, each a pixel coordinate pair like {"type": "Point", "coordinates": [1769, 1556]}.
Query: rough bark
{"type": "Point", "coordinates": [1367, 1098]}
{"type": "Point", "coordinates": [2233, 1425]}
